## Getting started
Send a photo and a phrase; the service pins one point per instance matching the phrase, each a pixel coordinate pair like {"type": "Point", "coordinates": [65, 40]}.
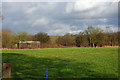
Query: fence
{"type": "Point", "coordinates": [6, 71]}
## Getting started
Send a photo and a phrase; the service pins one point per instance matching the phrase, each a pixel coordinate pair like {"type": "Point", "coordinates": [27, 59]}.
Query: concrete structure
{"type": "Point", "coordinates": [28, 44]}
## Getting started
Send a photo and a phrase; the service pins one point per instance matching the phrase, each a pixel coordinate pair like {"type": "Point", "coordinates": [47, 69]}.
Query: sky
{"type": "Point", "coordinates": [59, 18]}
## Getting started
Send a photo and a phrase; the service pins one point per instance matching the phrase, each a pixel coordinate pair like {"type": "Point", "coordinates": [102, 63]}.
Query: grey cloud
{"type": "Point", "coordinates": [57, 18]}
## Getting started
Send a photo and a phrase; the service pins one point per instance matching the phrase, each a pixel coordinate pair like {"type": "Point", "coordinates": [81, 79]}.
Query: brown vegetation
{"type": "Point", "coordinates": [92, 37]}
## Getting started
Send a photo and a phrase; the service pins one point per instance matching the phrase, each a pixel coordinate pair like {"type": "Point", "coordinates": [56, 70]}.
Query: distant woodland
{"type": "Point", "coordinates": [91, 37]}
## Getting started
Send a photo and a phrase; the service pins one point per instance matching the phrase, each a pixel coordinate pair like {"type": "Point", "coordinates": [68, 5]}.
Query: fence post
{"type": "Point", "coordinates": [6, 71]}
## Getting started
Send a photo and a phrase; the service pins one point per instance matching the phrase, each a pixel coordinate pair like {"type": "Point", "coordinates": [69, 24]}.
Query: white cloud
{"type": "Point", "coordinates": [75, 32]}
{"type": "Point", "coordinates": [31, 10]}
{"type": "Point", "coordinates": [90, 9]}
{"type": "Point", "coordinates": [63, 29]}
{"type": "Point", "coordinates": [40, 22]}
{"type": "Point", "coordinates": [103, 20]}
{"type": "Point", "coordinates": [108, 28]}
{"type": "Point", "coordinates": [51, 17]}
{"type": "Point", "coordinates": [60, 29]}
{"type": "Point", "coordinates": [69, 7]}
{"type": "Point", "coordinates": [81, 6]}
{"type": "Point", "coordinates": [114, 29]}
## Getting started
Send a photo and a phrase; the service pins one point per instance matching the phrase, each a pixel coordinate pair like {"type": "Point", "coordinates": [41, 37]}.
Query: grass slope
{"type": "Point", "coordinates": [63, 62]}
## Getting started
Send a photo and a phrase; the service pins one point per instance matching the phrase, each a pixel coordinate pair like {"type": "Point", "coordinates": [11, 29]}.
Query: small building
{"type": "Point", "coordinates": [28, 44]}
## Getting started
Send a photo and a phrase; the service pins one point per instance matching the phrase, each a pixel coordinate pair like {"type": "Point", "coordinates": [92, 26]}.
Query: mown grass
{"type": "Point", "coordinates": [63, 62]}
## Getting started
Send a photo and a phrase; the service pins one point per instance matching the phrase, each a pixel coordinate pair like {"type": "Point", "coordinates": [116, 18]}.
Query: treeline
{"type": "Point", "coordinates": [92, 37]}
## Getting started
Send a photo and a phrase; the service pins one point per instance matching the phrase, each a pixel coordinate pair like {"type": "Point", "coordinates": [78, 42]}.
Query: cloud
{"type": "Point", "coordinates": [59, 18]}
{"type": "Point", "coordinates": [69, 7]}
{"type": "Point", "coordinates": [58, 0]}
{"type": "Point", "coordinates": [82, 6]}
{"type": "Point", "coordinates": [60, 29]}
{"type": "Point", "coordinates": [30, 10]}
{"type": "Point", "coordinates": [76, 32]}
{"type": "Point", "coordinates": [103, 20]}
{"type": "Point", "coordinates": [111, 28]}
{"type": "Point", "coordinates": [91, 9]}
{"type": "Point", "coordinates": [40, 22]}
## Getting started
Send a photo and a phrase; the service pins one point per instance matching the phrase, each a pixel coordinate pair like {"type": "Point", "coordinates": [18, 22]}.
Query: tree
{"type": "Point", "coordinates": [118, 38]}
{"type": "Point", "coordinates": [6, 38]}
{"type": "Point", "coordinates": [69, 39]}
{"type": "Point", "coordinates": [85, 41]}
{"type": "Point", "coordinates": [89, 32]}
{"type": "Point", "coordinates": [42, 37]}
{"type": "Point", "coordinates": [21, 36]}
{"type": "Point", "coordinates": [114, 39]}
{"type": "Point", "coordinates": [30, 37]}
{"type": "Point", "coordinates": [15, 38]}
{"type": "Point", "coordinates": [81, 40]}
{"type": "Point", "coordinates": [66, 40]}
{"type": "Point", "coordinates": [100, 39]}
{"type": "Point", "coordinates": [95, 36]}
{"type": "Point", "coordinates": [60, 40]}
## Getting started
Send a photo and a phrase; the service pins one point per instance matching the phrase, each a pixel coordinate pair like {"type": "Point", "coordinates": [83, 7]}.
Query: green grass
{"type": "Point", "coordinates": [63, 62]}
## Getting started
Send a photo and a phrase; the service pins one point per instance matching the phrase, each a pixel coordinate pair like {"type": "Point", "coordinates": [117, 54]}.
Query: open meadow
{"type": "Point", "coordinates": [99, 62]}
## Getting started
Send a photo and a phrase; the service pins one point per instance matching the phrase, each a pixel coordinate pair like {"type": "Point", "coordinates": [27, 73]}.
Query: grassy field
{"type": "Point", "coordinates": [63, 62]}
